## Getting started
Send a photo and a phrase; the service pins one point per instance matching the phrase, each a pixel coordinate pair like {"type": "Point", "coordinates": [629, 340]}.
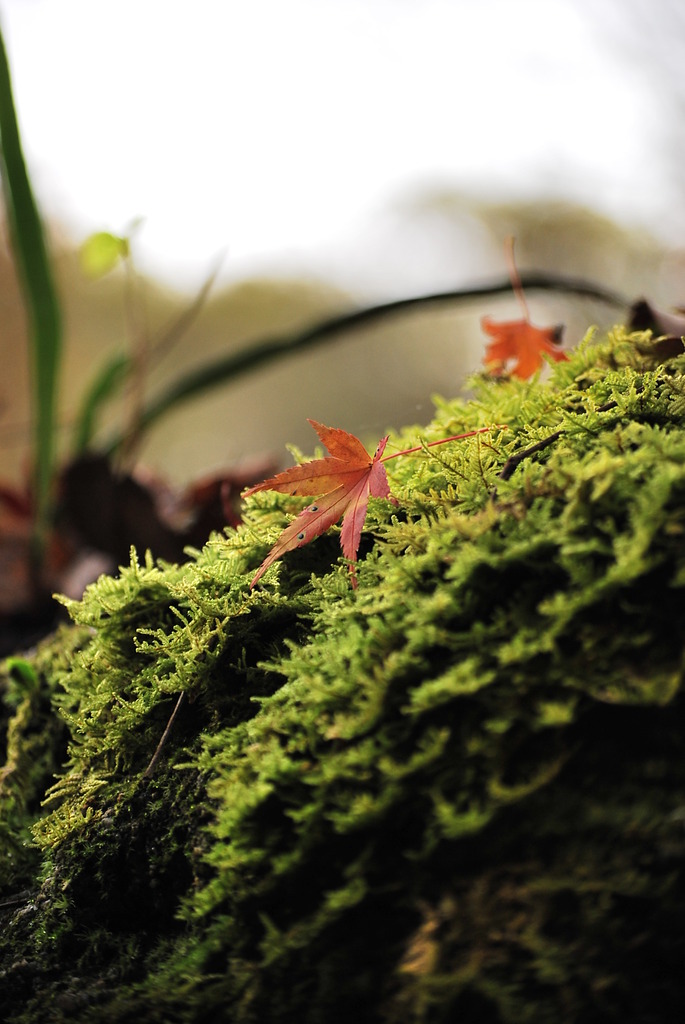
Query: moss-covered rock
{"type": "Point", "coordinates": [455, 793]}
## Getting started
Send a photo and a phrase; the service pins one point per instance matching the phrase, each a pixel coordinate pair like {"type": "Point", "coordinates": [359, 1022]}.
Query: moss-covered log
{"type": "Point", "coordinates": [456, 793]}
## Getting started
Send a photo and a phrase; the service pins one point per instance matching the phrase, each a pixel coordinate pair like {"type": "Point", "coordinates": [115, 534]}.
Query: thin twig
{"type": "Point", "coordinates": [155, 757]}
{"type": "Point", "coordinates": [513, 461]}
{"type": "Point", "coordinates": [17, 898]}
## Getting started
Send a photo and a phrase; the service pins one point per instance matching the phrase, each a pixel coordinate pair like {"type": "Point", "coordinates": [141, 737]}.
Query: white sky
{"type": "Point", "coordinates": [279, 129]}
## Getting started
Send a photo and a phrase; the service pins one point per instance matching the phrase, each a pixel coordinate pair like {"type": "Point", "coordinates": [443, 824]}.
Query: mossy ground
{"type": "Point", "coordinates": [455, 793]}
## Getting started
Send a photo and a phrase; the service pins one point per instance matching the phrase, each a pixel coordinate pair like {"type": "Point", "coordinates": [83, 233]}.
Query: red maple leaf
{"type": "Point", "coordinates": [519, 340]}
{"type": "Point", "coordinates": [345, 479]}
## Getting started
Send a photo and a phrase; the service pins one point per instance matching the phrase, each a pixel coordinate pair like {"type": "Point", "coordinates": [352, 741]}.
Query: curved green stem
{"type": "Point", "coordinates": [225, 369]}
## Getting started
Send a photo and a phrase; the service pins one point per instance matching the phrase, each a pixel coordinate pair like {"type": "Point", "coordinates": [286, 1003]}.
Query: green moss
{"type": "Point", "coordinates": [32, 747]}
{"type": "Point", "coordinates": [454, 793]}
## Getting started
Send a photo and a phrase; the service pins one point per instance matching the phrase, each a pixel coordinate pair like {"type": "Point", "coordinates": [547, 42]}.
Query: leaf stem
{"type": "Point", "coordinates": [444, 440]}
{"type": "Point", "coordinates": [515, 277]}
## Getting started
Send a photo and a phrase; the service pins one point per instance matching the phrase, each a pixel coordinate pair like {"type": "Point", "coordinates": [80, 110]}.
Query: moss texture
{"type": "Point", "coordinates": [456, 793]}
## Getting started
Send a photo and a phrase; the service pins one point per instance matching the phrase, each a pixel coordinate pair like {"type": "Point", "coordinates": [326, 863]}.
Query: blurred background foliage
{"type": "Point", "coordinates": [368, 380]}
{"type": "Point", "coordinates": [429, 234]}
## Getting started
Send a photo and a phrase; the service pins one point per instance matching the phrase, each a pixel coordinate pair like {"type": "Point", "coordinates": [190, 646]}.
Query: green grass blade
{"type": "Point", "coordinates": [40, 299]}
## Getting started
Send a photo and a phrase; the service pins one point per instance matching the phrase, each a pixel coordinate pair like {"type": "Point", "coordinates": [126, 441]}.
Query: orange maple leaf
{"type": "Point", "coordinates": [519, 340]}
{"type": "Point", "coordinates": [345, 479]}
